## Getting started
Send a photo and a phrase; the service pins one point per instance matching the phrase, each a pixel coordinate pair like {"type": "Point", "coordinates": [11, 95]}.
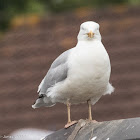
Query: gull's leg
{"type": "Point", "coordinates": [69, 123]}
{"type": "Point", "coordinates": [90, 112]}
{"type": "Point", "coordinates": [68, 110]}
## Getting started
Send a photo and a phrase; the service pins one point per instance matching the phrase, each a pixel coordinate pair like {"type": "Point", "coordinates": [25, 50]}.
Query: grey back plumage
{"type": "Point", "coordinates": [57, 72]}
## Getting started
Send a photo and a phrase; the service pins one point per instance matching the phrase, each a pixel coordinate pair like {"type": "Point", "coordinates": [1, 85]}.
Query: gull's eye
{"type": "Point", "coordinates": [82, 28]}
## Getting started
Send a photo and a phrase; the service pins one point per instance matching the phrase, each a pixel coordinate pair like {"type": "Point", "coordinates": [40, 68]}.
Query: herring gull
{"type": "Point", "coordinates": [78, 75]}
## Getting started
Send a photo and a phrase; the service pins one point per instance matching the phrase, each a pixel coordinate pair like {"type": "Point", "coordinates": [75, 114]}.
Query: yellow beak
{"type": "Point", "coordinates": [90, 34]}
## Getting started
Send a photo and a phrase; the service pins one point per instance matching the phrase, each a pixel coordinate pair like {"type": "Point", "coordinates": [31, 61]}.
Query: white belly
{"type": "Point", "coordinates": [88, 76]}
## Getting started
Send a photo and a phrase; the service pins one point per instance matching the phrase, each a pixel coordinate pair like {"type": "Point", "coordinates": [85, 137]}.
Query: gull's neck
{"type": "Point", "coordinates": [97, 38]}
{"type": "Point", "coordinates": [90, 43]}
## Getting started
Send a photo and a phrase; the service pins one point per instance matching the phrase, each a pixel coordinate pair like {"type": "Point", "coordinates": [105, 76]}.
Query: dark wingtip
{"type": "Point", "coordinates": [41, 96]}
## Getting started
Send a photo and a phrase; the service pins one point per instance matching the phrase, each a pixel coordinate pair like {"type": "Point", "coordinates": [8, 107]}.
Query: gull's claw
{"type": "Point", "coordinates": [70, 124]}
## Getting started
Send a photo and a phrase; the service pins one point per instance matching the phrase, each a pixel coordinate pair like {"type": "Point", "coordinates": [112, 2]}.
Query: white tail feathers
{"type": "Point", "coordinates": [110, 89]}
{"type": "Point", "coordinates": [44, 101]}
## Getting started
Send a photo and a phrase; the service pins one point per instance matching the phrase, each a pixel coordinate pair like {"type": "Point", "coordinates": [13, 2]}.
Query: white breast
{"type": "Point", "coordinates": [89, 71]}
{"type": "Point", "coordinates": [88, 74]}
{"type": "Point", "coordinates": [89, 61]}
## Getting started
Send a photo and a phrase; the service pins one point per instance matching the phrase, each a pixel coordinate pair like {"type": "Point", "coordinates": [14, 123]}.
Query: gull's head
{"type": "Point", "coordinates": [89, 31]}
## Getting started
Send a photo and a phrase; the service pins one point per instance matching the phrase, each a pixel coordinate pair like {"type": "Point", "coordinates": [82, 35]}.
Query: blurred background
{"type": "Point", "coordinates": [34, 32]}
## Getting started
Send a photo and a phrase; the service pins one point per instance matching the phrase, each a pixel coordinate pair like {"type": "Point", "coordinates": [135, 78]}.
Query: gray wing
{"type": "Point", "coordinates": [57, 72]}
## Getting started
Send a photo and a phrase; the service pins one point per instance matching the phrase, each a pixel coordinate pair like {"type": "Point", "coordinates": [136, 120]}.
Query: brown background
{"type": "Point", "coordinates": [26, 52]}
